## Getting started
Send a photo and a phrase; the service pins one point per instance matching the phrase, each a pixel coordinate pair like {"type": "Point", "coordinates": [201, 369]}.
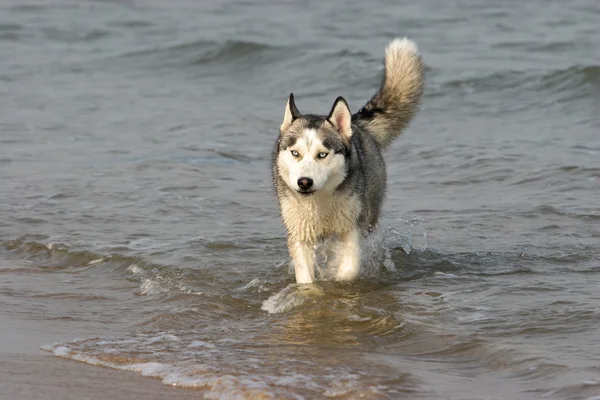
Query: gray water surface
{"type": "Point", "coordinates": [138, 229]}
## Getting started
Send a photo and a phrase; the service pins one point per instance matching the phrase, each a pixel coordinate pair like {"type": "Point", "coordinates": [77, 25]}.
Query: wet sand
{"type": "Point", "coordinates": [27, 373]}
{"type": "Point", "coordinates": [44, 376]}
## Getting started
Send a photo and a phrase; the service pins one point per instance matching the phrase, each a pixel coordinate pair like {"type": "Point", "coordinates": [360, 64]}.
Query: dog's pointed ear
{"type": "Point", "coordinates": [291, 113]}
{"type": "Point", "coordinates": [341, 118]}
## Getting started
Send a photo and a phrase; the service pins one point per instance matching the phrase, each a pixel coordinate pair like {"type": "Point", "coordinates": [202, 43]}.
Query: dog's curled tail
{"type": "Point", "coordinates": [390, 110]}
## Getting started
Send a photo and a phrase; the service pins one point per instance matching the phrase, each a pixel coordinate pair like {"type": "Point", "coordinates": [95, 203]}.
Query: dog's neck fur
{"type": "Point", "coordinates": [311, 218]}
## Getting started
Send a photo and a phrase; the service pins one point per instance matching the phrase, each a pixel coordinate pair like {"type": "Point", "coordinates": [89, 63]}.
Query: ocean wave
{"type": "Point", "coordinates": [72, 35]}
{"type": "Point", "coordinates": [389, 258]}
{"type": "Point", "coordinates": [543, 210]}
{"type": "Point", "coordinates": [204, 52]}
{"type": "Point", "coordinates": [226, 369]}
{"type": "Point", "coordinates": [563, 84]}
{"type": "Point", "coordinates": [52, 256]}
{"type": "Point", "coordinates": [154, 279]}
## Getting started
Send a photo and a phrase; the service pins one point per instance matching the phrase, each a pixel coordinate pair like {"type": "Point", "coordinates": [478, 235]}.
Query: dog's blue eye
{"type": "Point", "coordinates": [322, 155]}
{"type": "Point", "coordinates": [295, 153]}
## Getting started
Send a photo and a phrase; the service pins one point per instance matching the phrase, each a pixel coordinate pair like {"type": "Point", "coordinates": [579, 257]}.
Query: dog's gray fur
{"type": "Point", "coordinates": [328, 171]}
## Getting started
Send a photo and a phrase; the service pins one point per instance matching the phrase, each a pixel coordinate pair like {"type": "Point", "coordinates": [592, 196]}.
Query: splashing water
{"type": "Point", "coordinates": [376, 258]}
{"type": "Point", "coordinates": [401, 232]}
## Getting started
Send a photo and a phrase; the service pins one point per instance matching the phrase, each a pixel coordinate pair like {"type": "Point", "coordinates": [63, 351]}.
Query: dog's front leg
{"type": "Point", "coordinates": [350, 266]}
{"type": "Point", "coordinates": [303, 254]}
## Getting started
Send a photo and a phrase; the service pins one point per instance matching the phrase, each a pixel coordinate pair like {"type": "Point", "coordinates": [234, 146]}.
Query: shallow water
{"type": "Point", "coordinates": [138, 229]}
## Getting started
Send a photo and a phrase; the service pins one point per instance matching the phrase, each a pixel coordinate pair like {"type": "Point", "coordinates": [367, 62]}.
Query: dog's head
{"type": "Point", "coordinates": [312, 149]}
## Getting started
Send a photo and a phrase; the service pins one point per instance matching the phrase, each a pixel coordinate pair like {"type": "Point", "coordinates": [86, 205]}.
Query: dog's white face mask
{"type": "Point", "coordinates": [309, 166]}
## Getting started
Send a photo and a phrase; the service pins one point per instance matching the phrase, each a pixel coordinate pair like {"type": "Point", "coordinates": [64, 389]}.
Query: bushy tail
{"type": "Point", "coordinates": [390, 110]}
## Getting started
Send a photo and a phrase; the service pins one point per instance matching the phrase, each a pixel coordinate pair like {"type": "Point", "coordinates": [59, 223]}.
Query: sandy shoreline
{"type": "Point", "coordinates": [43, 376]}
{"type": "Point", "coordinates": [28, 373]}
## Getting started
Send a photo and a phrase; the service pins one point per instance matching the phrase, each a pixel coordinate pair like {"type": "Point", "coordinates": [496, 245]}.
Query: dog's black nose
{"type": "Point", "coordinates": [305, 183]}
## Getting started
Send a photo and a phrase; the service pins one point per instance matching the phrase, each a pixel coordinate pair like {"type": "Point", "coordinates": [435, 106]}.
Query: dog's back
{"type": "Point", "coordinates": [366, 177]}
{"type": "Point", "coordinates": [383, 119]}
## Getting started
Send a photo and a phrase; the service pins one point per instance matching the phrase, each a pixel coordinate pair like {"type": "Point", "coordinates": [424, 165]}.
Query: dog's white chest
{"type": "Point", "coordinates": [309, 218]}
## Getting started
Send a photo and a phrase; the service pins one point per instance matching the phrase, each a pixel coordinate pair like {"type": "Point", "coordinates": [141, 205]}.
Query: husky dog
{"type": "Point", "coordinates": [328, 171]}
